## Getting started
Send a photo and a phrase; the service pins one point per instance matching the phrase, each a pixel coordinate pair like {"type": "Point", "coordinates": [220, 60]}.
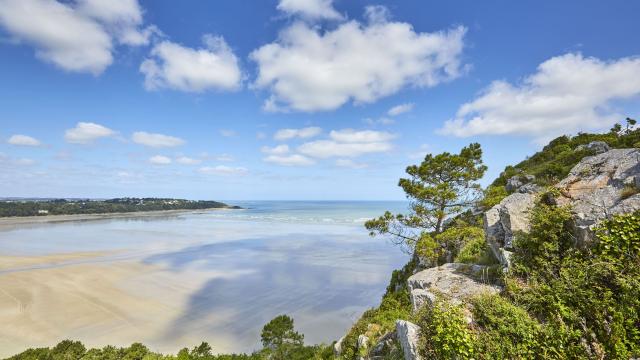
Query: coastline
{"type": "Point", "coordinates": [8, 222]}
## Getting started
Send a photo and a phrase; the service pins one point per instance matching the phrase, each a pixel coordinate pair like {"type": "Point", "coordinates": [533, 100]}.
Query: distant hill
{"type": "Point", "coordinates": [42, 207]}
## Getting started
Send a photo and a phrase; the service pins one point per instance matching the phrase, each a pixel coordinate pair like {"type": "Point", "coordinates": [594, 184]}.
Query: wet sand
{"type": "Point", "coordinates": [98, 304]}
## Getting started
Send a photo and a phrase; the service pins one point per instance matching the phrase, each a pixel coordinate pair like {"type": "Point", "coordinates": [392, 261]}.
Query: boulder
{"type": "Point", "coordinates": [516, 182]}
{"type": "Point", "coordinates": [454, 281]}
{"type": "Point", "coordinates": [363, 342]}
{"type": "Point", "coordinates": [407, 335]}
{"type": "Point", "coordinates": [504, 220]}
{"type": "Point", "coordinates": [598, 187]}
{"type": "Point", "coordinates": [337, 347]}
{"type": "Point", "coordinates": [383, 346]}
{"type": "Point", "coordinates": [597, 147]}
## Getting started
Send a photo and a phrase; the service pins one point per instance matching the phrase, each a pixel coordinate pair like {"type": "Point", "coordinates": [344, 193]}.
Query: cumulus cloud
{"type": "Point", "coordinates": [160, 160]}
{"type": "Point", "coordinates": [24, 162]}
{"type": "Point", "coordinates": [77, 35]}
{"type": "Point", "coordinates": [304, 133]}
{"type": "Point", "coordinates": [86, 132]}
{"type": "Point", "coordinates": [23, 140]}
{"type": "Point", "coordinates": [568, 93]}
{"type": "Point", "coordinates": [290, 160]}
{"type": "Point", "coordinates": [173, 66]}
{"type": "Point", "coordinates": [308, 69]}
{"type": "Point", "coordinates": [348, 163]}
{"type": "Point", "coordinates": [311, 9]}
{"type": "Point", "coordinates": [184, 160]}
{"type": "Point", "coordinates": [400, 109]}
{"type": "Point", "coordinates": [380, 121]}
{"type": "Point", "coordinates": [348, 143]}
{"type": "Point", "coordinates": [276, 150]}
{"type": "Point", "coordinates": [156, 140]}
{"type": "Point", "coordinates": [362, 136]}
{"type": "Point", "coordinates": [223, 170]}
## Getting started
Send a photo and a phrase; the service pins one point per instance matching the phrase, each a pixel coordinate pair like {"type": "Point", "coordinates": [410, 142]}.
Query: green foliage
{"type": "Point", "coordinates": [120, 205]}
{"type": "Point", "coordinates": [493, 194]}
{"type": "Point", "coordinates": [440, 187]}
{"type": "Point", "coordinates": [476, 251]}
{"type": "Point", "coordinates": [455, 237]}
{"type": "Point", "coordinates": [444, 332]}
{"type": "Point", "coordinates": [588, 298]}
{"type": "Point", "coordinates": [555, 160]}
{"type": "Point", "coordinates": [280, 331]}
{"type": "Point", "coordinates": [541, 251]}
{"type": "Point", "coordinates": [280, 340]}
{"type": "Point", "coordinates": [505, 330]}
{"type": "Point", "coordinates": [619, 239]}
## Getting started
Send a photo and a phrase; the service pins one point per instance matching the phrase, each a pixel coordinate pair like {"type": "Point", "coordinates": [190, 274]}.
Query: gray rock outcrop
{"type": "Point", "coordinates": [504, 220]}
{"type": "Point", "coordinates": [454, 281]}
{"type": "Point", "coordinates": [337, 347]}
{"type": "Point", "coordinates": [407, 335]}
{"type": "Point", "coordinates": [516, 182]}
{"type": "Point", "coordinates": [601, 186]}
{"type": "Point", "coordinates": [598, 147]}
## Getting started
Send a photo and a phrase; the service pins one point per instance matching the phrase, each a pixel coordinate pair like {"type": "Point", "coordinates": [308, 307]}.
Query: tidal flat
{"type": "Point", "coordinates": [177, 279]}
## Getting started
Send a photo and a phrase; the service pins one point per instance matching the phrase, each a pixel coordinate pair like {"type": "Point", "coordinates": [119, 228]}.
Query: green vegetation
{"type": "Point", "coordinates": [445, 334]}
{"type": "Point", "coordinates": [280, 340]}
{"type": "Point", "coordinates": [121, 205]}
{"type": "Point", "coordinates": [440, 187]}
{"type": "Point", "coordinates": [555, 160]}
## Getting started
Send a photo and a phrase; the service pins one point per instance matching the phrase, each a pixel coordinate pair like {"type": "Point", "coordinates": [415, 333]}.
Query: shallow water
{"type": "Point", "coordinates": [312, 260]}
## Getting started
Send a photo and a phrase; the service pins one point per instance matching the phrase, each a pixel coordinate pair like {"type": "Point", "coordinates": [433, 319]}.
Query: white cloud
{"type": "Point", "coordinates": [228, 133]}
{"type": "Point", "coordinates": [311, 9]}
{"type": "Point", "coordinates": [380, 121]}
{"type": "Point", "coordinates": [184, 160]}
{"type": "Point", "coordinates": [348, 143]}
{"type": "Point", "coordinates": [223, 170]}
{"type": "Point", "coordinates": [224, 157]}
{"type": "Point", "coordinates": [75, 36]}
{"type": "Point", "coordinates": [362, 136]}
{"type": "Point", "coordinates": [276, 150]}
{"type": "Point", "coordinates": [86, 132]}
{"type": "Point", "coordinates": [568, 93]}
{"type": "Point", "coordinates": [348, 163]}
{"type": "Point", "coordinates": [308, 69]}
{"type": "Point", "coordinates": [173, 66]}
{"type": "Point", "coordinates": [24, 162]}
{"type": "Point", "coordinates": [121, 18]}
{"type": "Point", "coordinates": [421, 153]}
{"type": "Point", "coordinates": [160, 160]}
{"type": "Point", "coordinates": [304, 133]}
{"type": "Point", "coordinates": [290, 160]}
{"type": "Point", "coordinates": [329, 148]}
{"type": "Point", "coordinates": [23, 140]}
{"type": "Point", "coordinates": [400, 109]}
{"type": "Point", "coordinates": [156, 140]}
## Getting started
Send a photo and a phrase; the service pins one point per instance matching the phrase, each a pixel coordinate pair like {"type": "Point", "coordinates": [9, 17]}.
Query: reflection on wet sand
{"type": "Point", "coordinates": [181, 280]}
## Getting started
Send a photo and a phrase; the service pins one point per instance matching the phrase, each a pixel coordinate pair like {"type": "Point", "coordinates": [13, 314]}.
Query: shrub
{"type": "Point", "coordinates": [444, 332]}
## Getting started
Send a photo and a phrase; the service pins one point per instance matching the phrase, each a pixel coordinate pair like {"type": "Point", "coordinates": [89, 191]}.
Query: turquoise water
{"type": "Point", "coordinates": [312, 260]}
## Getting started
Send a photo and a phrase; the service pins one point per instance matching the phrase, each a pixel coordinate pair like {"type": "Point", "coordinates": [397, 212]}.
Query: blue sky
{"type": "Point", "coordinates": [295, 99]}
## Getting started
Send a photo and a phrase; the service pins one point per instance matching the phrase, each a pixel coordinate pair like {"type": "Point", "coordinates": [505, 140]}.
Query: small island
{"type": "Point", "coordinates": [47, 207]}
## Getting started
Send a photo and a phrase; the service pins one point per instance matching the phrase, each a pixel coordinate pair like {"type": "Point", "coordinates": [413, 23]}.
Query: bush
{"type": "Point", "coordinates": [445, 334]}
{"type": "Point", "coordinates": [506, 331]}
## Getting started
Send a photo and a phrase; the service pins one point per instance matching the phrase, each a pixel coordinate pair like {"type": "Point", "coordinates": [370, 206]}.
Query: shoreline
{"type": "Point", "coordinates": [29, 220]}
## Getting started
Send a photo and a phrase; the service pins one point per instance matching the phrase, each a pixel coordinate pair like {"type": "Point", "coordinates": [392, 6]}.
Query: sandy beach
{"type": "Point", "coordinates": [98, 304]}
